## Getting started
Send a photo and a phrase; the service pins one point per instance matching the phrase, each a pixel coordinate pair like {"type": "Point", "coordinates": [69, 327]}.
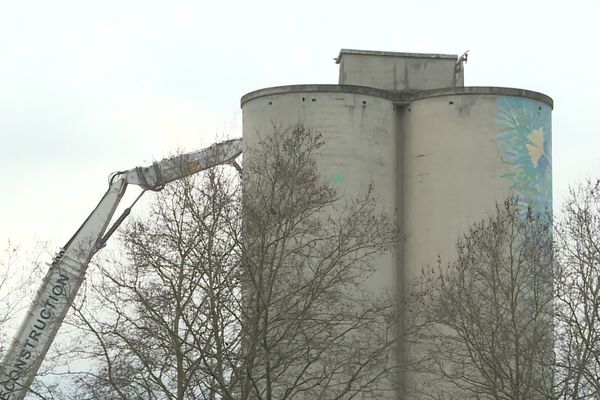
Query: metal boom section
{"type": "Point", "coordinates": [67, 270]}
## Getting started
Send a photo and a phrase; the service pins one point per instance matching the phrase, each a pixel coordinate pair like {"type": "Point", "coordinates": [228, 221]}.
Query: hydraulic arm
{"type": "Point", "coordinates": [67, 270]}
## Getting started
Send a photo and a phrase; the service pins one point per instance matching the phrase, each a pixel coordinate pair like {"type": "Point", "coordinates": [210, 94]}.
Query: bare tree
{"type": "Point", "coordinates": [311, 329]}
{"type": "Point", "coordinates": [15, 288]}
{"type": "Point", "coordinates": [578, 293]}
{"type": "Point", "coordinates": [260, 296]}
{"type": "Point", "coordinates": [162, 317]}
{"type": "Point", "coordinates": [488, 315]}
{"type": "Point", "coordinates": [11, 293]}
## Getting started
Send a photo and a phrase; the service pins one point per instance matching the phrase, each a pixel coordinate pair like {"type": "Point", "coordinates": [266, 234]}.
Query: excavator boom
{"type": "Point", "coordinates": [67, 270]}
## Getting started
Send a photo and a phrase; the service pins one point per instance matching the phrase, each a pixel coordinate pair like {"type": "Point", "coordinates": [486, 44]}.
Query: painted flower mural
{"type": "Point", "coordinates": [525, 138]}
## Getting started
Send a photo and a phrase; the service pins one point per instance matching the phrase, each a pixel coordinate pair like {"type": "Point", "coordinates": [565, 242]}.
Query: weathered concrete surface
{"type": "Point", "coordinates": [360, 150]}
{"type": "Point", "coordinates": [399, 71]}
{"type": "Point", "coordinates": [457, 165]}
{"type": "Point", "coordinates": [439, 158]}
{"type": "Point", "coordinates": [398, 98]}
{"type": "Point", "coordinates": [360, 144]}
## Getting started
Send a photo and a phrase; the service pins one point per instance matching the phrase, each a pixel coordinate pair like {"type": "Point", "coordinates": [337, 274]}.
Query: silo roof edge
{"type": "Point", "coordinates": [394, 54]}
{"type": "Point", "coordinates": [483, 90]}
{"type": "Point", "coordinates": [401, 97]}
{"type": "Point", "coordinates": [319, 88]}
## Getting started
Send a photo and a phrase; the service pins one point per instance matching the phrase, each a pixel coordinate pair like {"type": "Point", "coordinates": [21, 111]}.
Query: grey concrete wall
{"type": "Point", "coordinates": [360, 140]}
{"type": "Point", "coordinates": [438, 159]}
{"type": "Point", "coordinates": [359, 133]}
{"type": "Point", "coordinates": [398, 71]}
{"type": "Point", "coordinates": [462, 154]}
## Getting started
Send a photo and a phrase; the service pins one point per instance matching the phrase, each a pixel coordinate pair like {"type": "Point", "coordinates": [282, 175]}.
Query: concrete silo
{"type": "Point", "coordinates": [358, 125]}
{"type": "Point", "coordinates": [440, 155]}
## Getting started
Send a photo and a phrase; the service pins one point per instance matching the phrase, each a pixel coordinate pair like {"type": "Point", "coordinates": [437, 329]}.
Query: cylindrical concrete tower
{"type": "Point", "coordinates": [463, 150]}
{"type": "Point", "coordinates": [439, 155]}
{"type": "Point", "coordinates": [358, 125]}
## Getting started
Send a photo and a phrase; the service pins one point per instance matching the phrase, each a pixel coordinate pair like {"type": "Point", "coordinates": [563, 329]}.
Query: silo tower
{"type": "Point", "coordinates": [439, 154]}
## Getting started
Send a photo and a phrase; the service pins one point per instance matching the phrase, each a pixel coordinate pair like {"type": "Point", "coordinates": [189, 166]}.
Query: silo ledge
{"type": "Point", "coordinates": [318, 88]}
{"type": "Point", "coordinates": [482, 91]}
{"type": "Point", "coordinates": [402, 97]}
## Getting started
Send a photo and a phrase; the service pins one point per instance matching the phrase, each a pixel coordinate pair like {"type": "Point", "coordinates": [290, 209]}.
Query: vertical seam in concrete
{"type": "Point", "coordinates": [400, 270]}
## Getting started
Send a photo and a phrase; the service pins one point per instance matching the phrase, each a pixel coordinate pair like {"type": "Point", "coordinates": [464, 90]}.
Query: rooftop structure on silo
{"type": "Point", "coordinates": [399, 71]}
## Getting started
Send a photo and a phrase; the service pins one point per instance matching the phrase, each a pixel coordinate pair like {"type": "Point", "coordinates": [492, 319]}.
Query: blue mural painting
{"type": "Point", "coordinates": [525, 138]}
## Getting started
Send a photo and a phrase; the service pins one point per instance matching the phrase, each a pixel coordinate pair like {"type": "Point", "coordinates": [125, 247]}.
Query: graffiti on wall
{"type": "Point", "coordinates": [525, 138]}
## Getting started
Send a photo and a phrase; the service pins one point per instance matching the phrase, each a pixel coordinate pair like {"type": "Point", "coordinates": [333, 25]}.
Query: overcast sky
{"type": "Point", "coordinates": [87, 88]}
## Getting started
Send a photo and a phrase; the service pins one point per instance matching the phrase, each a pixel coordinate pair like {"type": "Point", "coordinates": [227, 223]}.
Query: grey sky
{"type": "Point", "coordinates": [87, 88]}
